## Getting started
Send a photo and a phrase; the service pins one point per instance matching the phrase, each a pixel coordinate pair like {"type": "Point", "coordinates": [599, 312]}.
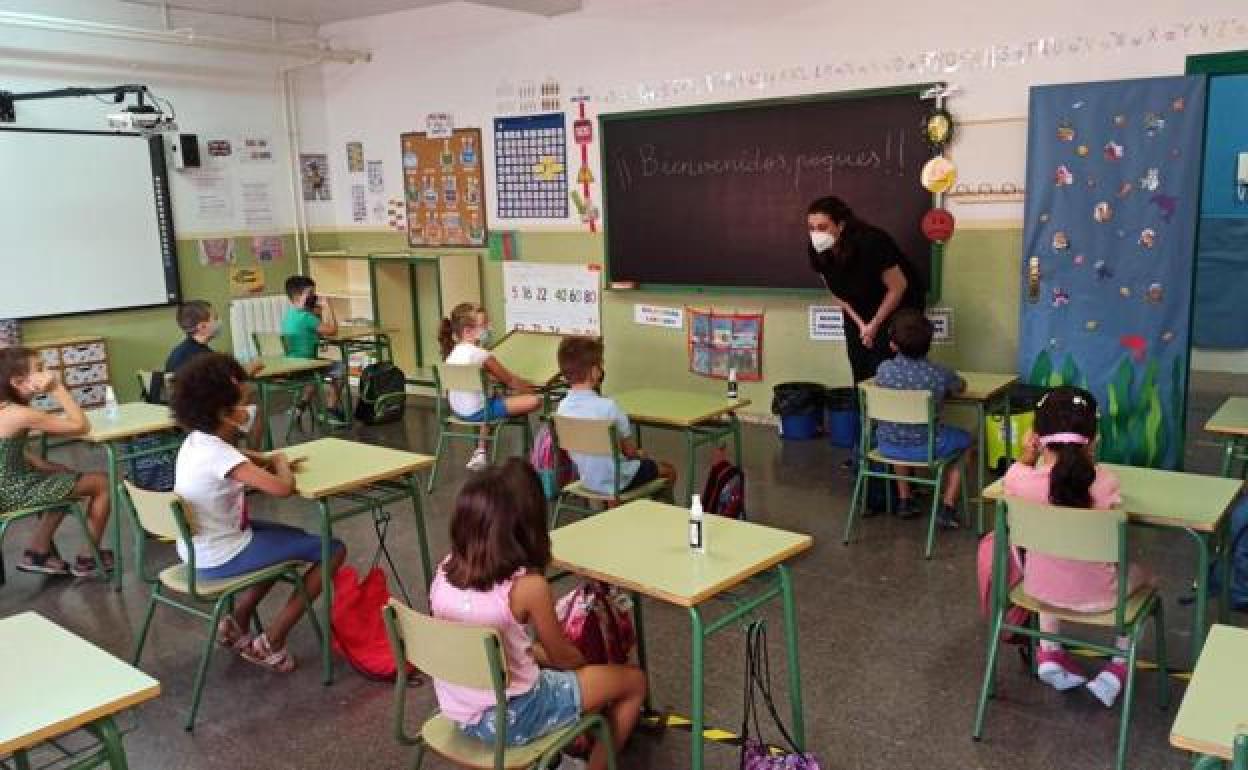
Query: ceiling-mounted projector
{"type": "Point", "coordinates": [143, 119]}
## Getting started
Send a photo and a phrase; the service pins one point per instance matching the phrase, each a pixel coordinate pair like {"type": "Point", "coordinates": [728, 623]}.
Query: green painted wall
{"type": "Point", "coordinates": [141, 339]}
{"type": "Point", "coordinates": [980, 283]}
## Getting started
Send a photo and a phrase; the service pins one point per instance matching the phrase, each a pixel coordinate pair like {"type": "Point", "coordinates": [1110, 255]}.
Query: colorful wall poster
{"type": "Point", "coordinates": [216, 251]}
{"type": "Point", "coordinates": [314, 173]}
{"type": "Point", "coordinates": [267, 248]}
{"type": "Point", "coordinates": [553, 298]}
{"type": "Point", "coordinates": [443, 185]}
{"type": "Point", "coordinates": [720, 343]}
{"type": "Point", "coordinates": [1113, 174]}
{"type": "Point", "coordinates": [355, 157]}
{"type": "Point", "coordinates": [531, 167]}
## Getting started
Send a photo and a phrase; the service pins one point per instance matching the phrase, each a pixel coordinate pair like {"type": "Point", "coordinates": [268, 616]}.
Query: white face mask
{"type": "Point", "coordinates": [822, 241]}
{"type": "Point", "coordinates": [214, 329]}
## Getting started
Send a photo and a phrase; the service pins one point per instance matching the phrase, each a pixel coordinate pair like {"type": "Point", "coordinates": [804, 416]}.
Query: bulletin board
{"type": "Point", "coordinates": [723, 343]}
{"type": "Point", "coordinates": [444, 186]}
{"type": "Point", "coordinates": [531, 162]}
{"type": "Point", "coordinates": [553, 298]}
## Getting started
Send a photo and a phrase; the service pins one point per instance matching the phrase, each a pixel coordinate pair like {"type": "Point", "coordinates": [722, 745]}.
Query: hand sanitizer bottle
{"type": "Point", "coordinates": [732, 383]}
{"type": "Point", "coordinates": [697, 532]}
{"type": "Point", "coordinates": [110, 403]}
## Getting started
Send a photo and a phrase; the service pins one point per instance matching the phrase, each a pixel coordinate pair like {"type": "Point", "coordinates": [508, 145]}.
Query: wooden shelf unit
{"type": "Point", "coordinates": [83, 364]}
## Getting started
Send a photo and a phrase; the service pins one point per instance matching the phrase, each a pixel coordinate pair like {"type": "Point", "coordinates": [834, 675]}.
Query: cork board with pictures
{"type": "Point", "coordinates": [444, 187]}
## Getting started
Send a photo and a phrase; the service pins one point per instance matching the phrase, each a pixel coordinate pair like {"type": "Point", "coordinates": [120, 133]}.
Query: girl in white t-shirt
{"type": "Point", "coordinates": [211, 476]}
{"type": "Point", "coordinates": [461, 337]}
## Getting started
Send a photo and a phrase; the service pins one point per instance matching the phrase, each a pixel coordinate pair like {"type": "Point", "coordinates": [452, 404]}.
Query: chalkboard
{"type": "Point", "coordinates": [716, 196]}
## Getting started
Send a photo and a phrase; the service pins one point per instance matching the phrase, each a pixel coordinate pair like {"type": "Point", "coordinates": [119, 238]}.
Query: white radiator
{"type": "Point", "coordinates": [250, 315]}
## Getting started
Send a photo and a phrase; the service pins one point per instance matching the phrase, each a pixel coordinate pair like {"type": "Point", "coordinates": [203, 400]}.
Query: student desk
{"type": "Point", "coordinates": [984, 390]}
{"type": "Point", "coordinates": [285, 368]}
{"type": "Point", "coordinates": [643, 547]}
{"type": "Point", "coordinates": [358, 338]}
{"type": "Point", "coordinates": [704, 419]}
{"type": "Point", "coordinates": [1231, 423]}
{"type": "Point", "coordinates": [533, 356]}
{"type": "Point", "coordinates": [1213, 719]}
{"type": "Point", "coordinates": [366, 478]}
{"type": "Point", "coordinates": [53, 682]}
{"type": "Point", "coordinates": [1198, 505]}
{"type": "Point", "coordinates": [114, 434]}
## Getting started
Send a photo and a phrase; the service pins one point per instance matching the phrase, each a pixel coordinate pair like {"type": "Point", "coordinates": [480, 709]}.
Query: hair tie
{"type": "Point", "coordinates": [1063, 438]}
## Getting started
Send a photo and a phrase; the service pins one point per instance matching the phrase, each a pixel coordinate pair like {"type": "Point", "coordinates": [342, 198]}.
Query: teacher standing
{"type": "Point", "coordinates": [869, 277]}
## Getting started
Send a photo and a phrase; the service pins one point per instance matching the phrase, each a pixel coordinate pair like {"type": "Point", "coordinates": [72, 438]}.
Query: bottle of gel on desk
{"type": "Point", "coordinates": [697, 530]}
{"type": "Point", "coordinates": [110, 403]}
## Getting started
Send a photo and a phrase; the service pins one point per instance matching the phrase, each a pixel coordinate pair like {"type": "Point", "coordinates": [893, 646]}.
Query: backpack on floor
{"type": "Point", "coordinates": [598, 619]}
{"type": "Point", "coordinates": [554, 467]}
{"type": "Point", "coordinates": [724, 493]}
{"type": "Point", "coordinates": [1014, 615]}
{"type": "Point", "coordinates": [359, 632]}
{"type": "Point", "coordinates": [383, 394]}
{"type": "Point", "coordinates": [1239, 559]}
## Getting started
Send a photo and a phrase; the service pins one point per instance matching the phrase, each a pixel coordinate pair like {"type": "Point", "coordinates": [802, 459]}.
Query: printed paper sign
{"type": "Point", "coordinates": [439, 125]}
{"type": "Point", "coordinates": [657, 315]}
{"type": "Point", "coordinates": [827, 324]}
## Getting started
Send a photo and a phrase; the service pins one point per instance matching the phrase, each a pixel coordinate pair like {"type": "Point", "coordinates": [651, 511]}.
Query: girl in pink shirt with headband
{"type": "Point", "coordinates": [1058, 466]}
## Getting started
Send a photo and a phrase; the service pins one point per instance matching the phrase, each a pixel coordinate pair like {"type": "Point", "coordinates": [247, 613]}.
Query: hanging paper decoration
{"type": "Point", "coordinates": [937, 225]}
{"type": "Point", "coordinates": [722, 342]}
{"type": "Point", "coordinates": [938, 174]}
{"type": "Point", "coordinates": [1121, 329]}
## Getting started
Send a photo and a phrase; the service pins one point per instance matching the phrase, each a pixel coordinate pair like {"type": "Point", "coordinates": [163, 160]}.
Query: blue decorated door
{"type": "Point", "coordinates": [1113, 195]}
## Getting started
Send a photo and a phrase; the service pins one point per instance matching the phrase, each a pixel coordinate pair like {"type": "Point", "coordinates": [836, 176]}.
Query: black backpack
{"type": "Point", "coordinates": [383, 394]}
{"type": "Point", "coordinates": [724, 493]}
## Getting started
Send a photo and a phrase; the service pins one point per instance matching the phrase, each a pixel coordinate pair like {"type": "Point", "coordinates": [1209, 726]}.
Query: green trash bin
{"type": "Point", "coordinates": [1023, 401]}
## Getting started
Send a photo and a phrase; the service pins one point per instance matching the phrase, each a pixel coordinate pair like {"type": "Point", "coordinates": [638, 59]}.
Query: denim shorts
{"type": "Point", "coordinates": [271, 543]}
{"type": "Point", "coordinates": [949, 441]}
{"type": "Point", "coordinates": [553, 703]}
{"type": "Point", "coordinates": [495, 409]}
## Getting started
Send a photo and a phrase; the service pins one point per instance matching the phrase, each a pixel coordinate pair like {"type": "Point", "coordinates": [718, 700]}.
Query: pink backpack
{"type": "Point", "coordinates": [1014, 615]}
{"type": "Point", "coordinates": [555, 469]}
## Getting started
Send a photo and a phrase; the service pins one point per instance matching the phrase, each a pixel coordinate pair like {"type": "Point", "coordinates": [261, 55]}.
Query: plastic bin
{"type": "Point", "coordinates": [800, 408]}
{"type": "Point", "coordinates": [1023, 401]}
{"type": "Point", "coordinates": [841, 416]}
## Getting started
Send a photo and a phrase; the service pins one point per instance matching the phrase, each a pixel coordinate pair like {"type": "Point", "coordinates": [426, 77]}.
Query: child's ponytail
{"type": "Point", "coordinates": [446, 337]}
{"type": "Point", "coordinates": [1066, 425]}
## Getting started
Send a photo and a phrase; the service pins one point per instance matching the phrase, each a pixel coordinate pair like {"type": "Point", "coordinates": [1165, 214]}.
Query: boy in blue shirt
{"type": "Point", "coordinates": [911, 339]}
{"type": "Point", "coordinates": [580, 362]}
{"type": "Point", "coordinates": [307, 319]}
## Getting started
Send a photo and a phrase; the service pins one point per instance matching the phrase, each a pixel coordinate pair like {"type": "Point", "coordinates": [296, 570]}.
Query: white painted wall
{"type": "Point", "coordinates": [216, 94]}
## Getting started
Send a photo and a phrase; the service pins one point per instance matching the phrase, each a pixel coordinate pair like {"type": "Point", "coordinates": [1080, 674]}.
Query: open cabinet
{"type": "Point", "coordinates": [343, 280]}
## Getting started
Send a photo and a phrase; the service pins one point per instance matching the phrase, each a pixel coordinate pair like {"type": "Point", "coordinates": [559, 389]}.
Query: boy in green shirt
{"type": "Point", "coordinates": [308, 318]}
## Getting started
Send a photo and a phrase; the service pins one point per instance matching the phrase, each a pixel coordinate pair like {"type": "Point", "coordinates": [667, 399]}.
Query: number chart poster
{"type": "Point", "coordinates": [722, 342]}
{"type": "Point", "coordinates": [560, 299]}
{"type": "Point", "coordinates": [443, 183]}
{"type": "Point", "coordinates": [531, 163]}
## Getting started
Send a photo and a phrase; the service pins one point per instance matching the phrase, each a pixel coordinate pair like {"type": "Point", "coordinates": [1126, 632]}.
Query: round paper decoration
{"type": "Point", "coordinates": [938, 128]}
{"type": "Point", "coordinates": [937, 225]}
{"type": "Point", "coordinates": [939, 174]}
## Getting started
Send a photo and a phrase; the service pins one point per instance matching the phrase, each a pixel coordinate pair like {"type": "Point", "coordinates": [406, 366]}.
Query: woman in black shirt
{"type": "Point", "coordinates": [868, 276]}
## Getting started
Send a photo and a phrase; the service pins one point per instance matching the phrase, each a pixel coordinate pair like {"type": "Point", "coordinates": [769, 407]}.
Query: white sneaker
{"type": "Point", "coordinates": [479, 461]}
{"type": "Point", "coordinates": [572, 763]}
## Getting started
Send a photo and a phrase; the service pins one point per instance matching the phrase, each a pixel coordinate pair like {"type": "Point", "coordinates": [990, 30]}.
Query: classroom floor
{"type": "Point", "coordinates": [892, 646]}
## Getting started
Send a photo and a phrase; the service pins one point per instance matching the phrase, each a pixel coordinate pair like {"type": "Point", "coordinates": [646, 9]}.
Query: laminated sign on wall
{"type": "Point", "coordinates": [553, 298]}
{"type": "Point", "coordinates": [827, 324]}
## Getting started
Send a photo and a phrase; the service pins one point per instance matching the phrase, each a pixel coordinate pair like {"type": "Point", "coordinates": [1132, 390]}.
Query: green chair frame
{"type": "Point", "coordinates": [1239, 757]}
{"type": "Point", "coordinates": [73, 506]}
{"type": "Point", "coordinates": [906, 407]}
{"type": "Point", "coordinates": [164, 515]}
{"type": "Point", "coordinates": [467, 377]}
{"type": "Point", "coordinates": [1083, 535]}
{"type": "Point", "coordinates": [595, 437]}
{"type": "Point", "coordinates": [271, 344]}
{"type": "Point", "coordinates": [444, 650]}
{"type": "Point", "coordinates": [147, 378]}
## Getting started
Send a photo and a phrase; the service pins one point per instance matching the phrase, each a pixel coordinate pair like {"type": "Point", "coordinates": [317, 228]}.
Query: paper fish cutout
{"type": "Point", "coordinates": [1102, 212]}
{"type": "Point", "coordinates": [1148, 237]}
{"type": "Point", "coordinates": [1103, 270]}
{"type": "Point", "coordinates": [1166, 205]}
{"type": "Point", "coordinates": [1153, 123]}
{"type": "Point", "coordinates": [1154, 293]}
{"type": "Point", "coordinates": [1061, 298]}
{"type": "Point", "coordinates": [1092, 325]}
{"type": "Point", "coordinates": [1151, 180]}
{"type": "Point", "coordinates": [1065, 131]}
{"type": "Point", "coordinates": [1179, 104]}
{"type": "Point", "coordinates": [1125, 190]}
{"type": "Point", "coordinates": [1078, 259]}
{"type": "Point", "coordinates": [1060, 240]}
{"type": "Point", "coordinates": [1136, 344]}
{"type": "Point", "coordinates": [1114, 151]}
{"type": "Point", "coordinates": [1063, 177]}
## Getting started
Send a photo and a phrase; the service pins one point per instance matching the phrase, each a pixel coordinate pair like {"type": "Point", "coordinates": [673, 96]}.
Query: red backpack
{"type": "Point", "coordinates": [724, 493]}
{"type": "Point", "coordinates": [359, 632]}
{"type": "Point", "coordinates": [598, 619]}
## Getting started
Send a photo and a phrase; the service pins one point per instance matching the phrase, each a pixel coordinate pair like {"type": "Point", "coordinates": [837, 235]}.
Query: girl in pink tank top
{"type": "Point", "coordinates": [495, 577]}
{"type": "Point", "coordinates": [1058, 467]}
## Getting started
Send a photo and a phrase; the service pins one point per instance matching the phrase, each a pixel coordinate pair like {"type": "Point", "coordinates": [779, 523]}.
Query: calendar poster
{"type": "Point", "coordinates": [720, 343]}
{"type": "Point", "coordinates": [531, 164]}
{"type": "Point", "coordinates": [560, 299]}
{"type": "Point", "coordinates": [443, 185]}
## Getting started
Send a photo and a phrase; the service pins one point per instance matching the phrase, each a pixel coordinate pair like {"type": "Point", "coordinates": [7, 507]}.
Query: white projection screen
{"type": "Point", "coordinates": [85, 223]}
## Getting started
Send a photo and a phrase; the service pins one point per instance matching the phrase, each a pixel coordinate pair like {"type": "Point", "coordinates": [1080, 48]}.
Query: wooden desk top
{"type": "Point", "coordinates": [1215, 706]}
{"type": "Point", "coordinates": [134, 419]}
{"type": "Point", "coordinates": [333, 466]}
{"type": "Point", "coordinates": [1231, 418]}
{"type": "Point", "coordinates": [983, 386]}
{"type": "Point", "coordinates": [643, 546]}
{"type": "Point", "coordinates": [676, 408]}
{"type": "Point", "coordinates": [53, 682]}
{"type": "Point", "coordinates": [530, 355]}
{"type": "Point", "coordinates": [282, 366]}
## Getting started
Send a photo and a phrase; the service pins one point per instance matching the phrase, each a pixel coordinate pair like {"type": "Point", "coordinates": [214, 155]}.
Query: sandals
{"type": "Point", "coordinates": [260, 652]}
{"type": "Point", "coordinates": [230, 636]}
{"type": "Point", "coordinates": [85, 566]}
{"type": "Point", "coordinates": [48, 563]}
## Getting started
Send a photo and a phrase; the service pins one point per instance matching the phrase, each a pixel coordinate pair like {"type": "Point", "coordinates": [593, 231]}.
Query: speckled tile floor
{"type": "Point", "coordinates": [892, 646]}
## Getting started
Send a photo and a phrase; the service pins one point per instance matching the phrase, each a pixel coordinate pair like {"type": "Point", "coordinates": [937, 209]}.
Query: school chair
{"type": "Point", "coordinates": [468, 656]}
{"type": "Point", "coordinates": [273, 345]}
{"type": "Point", "coordinates": [155, 387]}
{"type": "Point", "coordinates": [1080, 534]}
{"type": "Point", "coordinates": [73, 506]}
{"type": "Point", "coordinates": [164, 515]}
{"type": "Point", "coordinates": [595, 437]}
{"type": "Point", "coordinates": [472, 379]}
{"type": "Point", "coordinates": [904, 407]}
